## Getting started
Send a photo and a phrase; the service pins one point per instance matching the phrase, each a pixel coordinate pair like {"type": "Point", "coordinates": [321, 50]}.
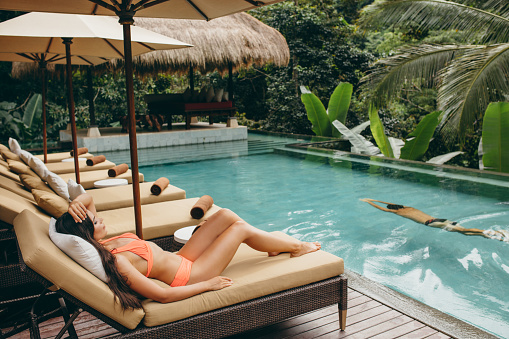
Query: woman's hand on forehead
{"type": "Point", "coordinates": [77, 210]}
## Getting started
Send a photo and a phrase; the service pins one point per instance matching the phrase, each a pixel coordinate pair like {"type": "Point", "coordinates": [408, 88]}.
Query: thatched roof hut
{"type": "Point", "coordinates": [239, 39]}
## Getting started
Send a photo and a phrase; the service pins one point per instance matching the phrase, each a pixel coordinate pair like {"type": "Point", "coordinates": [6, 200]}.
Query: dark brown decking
{"type": "Point", "coordinates": [366, 318]}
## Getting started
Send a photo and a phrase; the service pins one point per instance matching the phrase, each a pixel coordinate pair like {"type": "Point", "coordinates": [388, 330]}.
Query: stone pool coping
{"type": "Point", "coordinates": [430, 316]}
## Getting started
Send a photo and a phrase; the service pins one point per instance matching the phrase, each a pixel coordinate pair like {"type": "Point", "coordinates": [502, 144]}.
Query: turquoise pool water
{"type": "Point", "coordinates": [316, 197]}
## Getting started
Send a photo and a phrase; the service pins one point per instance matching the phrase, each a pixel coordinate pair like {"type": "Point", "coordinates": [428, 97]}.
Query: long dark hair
{"type": "Point", "coordinates": [116, 281]}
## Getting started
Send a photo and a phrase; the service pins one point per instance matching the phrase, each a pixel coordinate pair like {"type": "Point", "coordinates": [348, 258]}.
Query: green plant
{"type": "Point", "coordinates": [495, 137]}
{"type": "Point", "coordinates": [468, 75]}
{"type": "Point", "coordinates": [413, 148]}
{"type": "Point", "coordinates": [322, 119]}
{"type": "Point", "coordinates": [18, 121]}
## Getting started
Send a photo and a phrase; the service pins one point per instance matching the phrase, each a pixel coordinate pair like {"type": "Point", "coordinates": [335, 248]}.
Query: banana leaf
{"type": "Point", "coordinates": [33, 109]}
{"type": "Point", "coordinates": [414, 149]}
{"type": "Point", "coordinates": [495, 137]}
{"type": "Point", "coordinates": [377, 129]}
{"type": "Point", "coordinates": [442, 159]}
{"type": "Point", "coordinates": [316, 113]}
{"type": "Point", "coordinates": [359, 143]}
{"type": "Point", "coordinates": [338, 105]}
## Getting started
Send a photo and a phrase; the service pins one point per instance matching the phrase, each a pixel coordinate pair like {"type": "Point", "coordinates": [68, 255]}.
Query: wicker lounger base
{"type": "Point", "coordinates": [232, 320]}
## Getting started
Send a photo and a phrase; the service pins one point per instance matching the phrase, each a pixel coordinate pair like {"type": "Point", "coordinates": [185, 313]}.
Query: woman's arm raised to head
{"type": "Point", "coordinates": [149, 289]}
{"type": "Point", "coordinates": [79, 206]}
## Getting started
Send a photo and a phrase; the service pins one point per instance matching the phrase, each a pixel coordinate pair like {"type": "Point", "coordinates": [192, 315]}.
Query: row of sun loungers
{"type": "Point", "coordinates": [266, 289]}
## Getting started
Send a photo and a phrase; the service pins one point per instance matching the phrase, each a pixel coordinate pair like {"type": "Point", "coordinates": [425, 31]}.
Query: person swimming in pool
{"type": "Point", "coordinates": [423, 218]}
{"type": "Point", "coordinates": [131, 263]}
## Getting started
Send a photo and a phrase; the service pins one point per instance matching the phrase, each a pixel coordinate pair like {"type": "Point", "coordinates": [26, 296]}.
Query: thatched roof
{"type": "Point", "coordinates": [239, 38]}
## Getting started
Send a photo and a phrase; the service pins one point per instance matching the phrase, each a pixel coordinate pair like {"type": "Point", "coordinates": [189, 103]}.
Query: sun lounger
{"type": "Point", "coordinates": [68, 167]}
{"type": "Point", "coordinates": [87, 179]}
{"type": "Point", "coordinates": [109, 197]}
{"type": "Point", "coordinates": [265, 290]}
{"type": "Point", "coordinates": [58, 157]}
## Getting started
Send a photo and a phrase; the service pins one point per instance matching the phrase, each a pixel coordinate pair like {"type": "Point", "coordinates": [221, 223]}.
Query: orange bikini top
{"type": "Point", "coordinates": [138, 247]}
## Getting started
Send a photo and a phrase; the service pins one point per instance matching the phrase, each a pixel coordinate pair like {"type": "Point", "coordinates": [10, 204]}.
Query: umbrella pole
{"type": "Point", "coordinates": [42, 66]}
{"type": "Point", "coordinates": [126, 23]}
{"type": "Point", "coordinates": [70, 97]}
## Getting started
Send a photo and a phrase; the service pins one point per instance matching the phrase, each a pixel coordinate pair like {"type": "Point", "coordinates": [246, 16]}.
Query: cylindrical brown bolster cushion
{"type": "Point", "coordinates": [116, 170]}
{"type": "Point", "coordinates": [159, 185]}
{"type": "Point", "coordinates": [81, 150]}
{"type": "Point", "coordinates": [95, 160]}
{"type": "Point", "coordinates": [202, 205]}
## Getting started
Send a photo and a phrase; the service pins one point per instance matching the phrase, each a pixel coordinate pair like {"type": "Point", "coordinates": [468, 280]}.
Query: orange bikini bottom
{"type": "Point", "coordinates": [183, 273]}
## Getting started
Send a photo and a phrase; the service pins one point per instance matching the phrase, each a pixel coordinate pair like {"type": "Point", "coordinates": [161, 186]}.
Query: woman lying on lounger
{"type": "Point", "coordinates": [422, 218]}
{"type": "Point", "coordinates": [129, 262]}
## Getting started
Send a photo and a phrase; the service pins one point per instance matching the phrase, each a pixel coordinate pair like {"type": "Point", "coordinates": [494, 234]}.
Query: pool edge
{"type": "Point", "coordinates": [429, 316]}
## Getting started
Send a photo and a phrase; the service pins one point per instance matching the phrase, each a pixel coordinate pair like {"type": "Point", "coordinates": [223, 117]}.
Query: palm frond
{"type": "Point", "coordinates": [420, 64]}
{"type": "Point", "coordinates": [469, 84]}
{"type": "Point", "coordinates": [490, 23]}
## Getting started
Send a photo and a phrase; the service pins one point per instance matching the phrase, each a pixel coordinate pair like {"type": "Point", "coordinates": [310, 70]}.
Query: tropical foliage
{"type": "Point", "coordinates": [18, 121]}
{"type": "Point", "coordinates": [495, 137]}
{"type": "Point", "coordinates": [468, 76]}
{"type": "Point", "coordinates": [322, 119]}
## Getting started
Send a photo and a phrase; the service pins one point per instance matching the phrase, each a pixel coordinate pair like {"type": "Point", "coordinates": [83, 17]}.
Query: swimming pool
{"type": "Point", "coordinates": [315, 196]}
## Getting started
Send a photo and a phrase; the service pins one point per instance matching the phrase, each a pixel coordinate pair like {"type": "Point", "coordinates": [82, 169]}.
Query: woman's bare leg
{"type": "Point", "coordinates": [219, 254]}
{"type": "Point", "coordinates": [208, 233]}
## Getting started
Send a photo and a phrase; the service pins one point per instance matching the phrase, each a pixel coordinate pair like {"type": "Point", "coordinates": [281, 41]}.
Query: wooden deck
{"type": "Point", "coordinates": [366, 318]}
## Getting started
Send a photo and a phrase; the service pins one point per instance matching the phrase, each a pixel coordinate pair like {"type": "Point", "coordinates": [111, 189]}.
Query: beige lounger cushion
{"type": "Point", "coordinates": [122, 196]}
{"type": "Point", "coordinates": [15, 187]}
{"type": "Point", "coordinates": [19, 167]}
{"type": "Point", "coordinates": [254, 275]}
{"type": "Point", "coordinates": [159, 220]}
{"type": "Point", "coordinates": [87, 179]}
{"type": "Point", "coordinates": [34, 182]}
{"type": "Point", "coordinates": [3, 148]}
{"type": "Point", "coordinates": [53, 204]}
{"type": "Point", "coordinates": [68, 167]}
{"type": "Point", "coordinates": [41, 255]}
{"type": "Point", "coordinates": [7, 154]}
{"type": "Point", "coordinates": [58, 157]}
{"type": "Point", "coordinates": [5, 172]}
{"type": "Point", "coordinates": [12, 204]}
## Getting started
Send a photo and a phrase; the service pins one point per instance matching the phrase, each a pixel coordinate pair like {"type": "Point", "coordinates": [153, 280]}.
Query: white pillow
{"type": "Point", "coordinates": [79, 250]}
{"type": "Point", "coordinates": [14, 146]}
{"type": "Point", "coordinates": [58, 185]}
{"type": "Point", "coordinates": [210, 94]}
{"type": "Point", "coordinates": [37, 166]}
{"type": "Point", "coordinates": [218, 97]}
{"type": "Point", "coordinates": [74, 189]}
{"type": "Point", "coordinates": [25, 156]}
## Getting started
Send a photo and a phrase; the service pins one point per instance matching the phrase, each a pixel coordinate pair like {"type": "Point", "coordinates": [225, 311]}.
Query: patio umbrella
{"type": "Point", "coordinates": [95, 39]}
{"type": "Point", "coordinates": [126, 10]}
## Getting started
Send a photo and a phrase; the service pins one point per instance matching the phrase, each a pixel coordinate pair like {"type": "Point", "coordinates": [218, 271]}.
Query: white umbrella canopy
{"type": "Point", "coordinates": [126, 10]}
{"type": "Point", "coordinates": [174, 9]}
{"type": "Point", "coordinates": [95, 39]}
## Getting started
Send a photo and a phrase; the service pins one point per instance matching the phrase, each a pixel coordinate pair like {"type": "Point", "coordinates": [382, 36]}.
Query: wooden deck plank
{"type": "Point", "coordinates": [405, 329]}
{"type": "Point", "coordinates": [365, 318]}
{"type": "Point", "coordinates": [380, 329]}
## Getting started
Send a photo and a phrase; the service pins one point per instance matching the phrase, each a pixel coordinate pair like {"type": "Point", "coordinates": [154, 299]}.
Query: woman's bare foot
{"type": "Point", "coordinates": [306, 247]}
